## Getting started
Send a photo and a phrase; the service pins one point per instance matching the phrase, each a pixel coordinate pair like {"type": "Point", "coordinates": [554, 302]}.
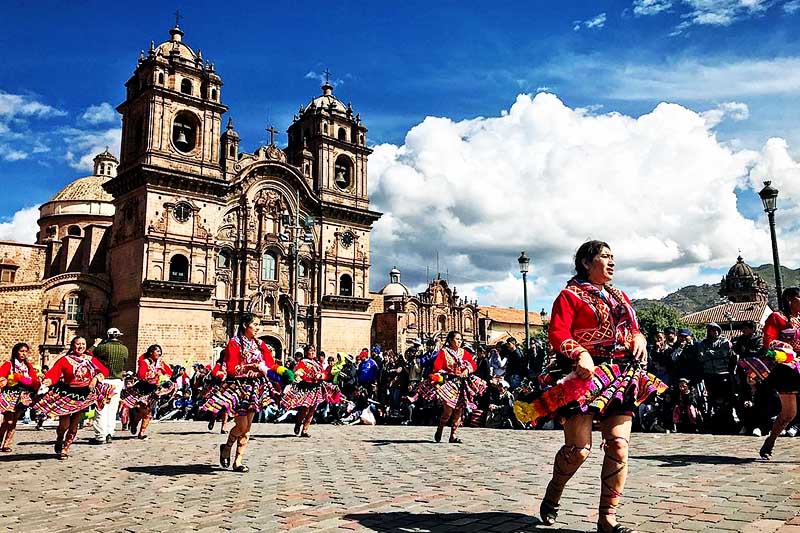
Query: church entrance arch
{"type": "Point", "coordinates": [275, 345]}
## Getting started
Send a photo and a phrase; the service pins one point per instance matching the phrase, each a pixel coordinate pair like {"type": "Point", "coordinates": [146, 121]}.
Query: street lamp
{"type": "Point", "coordinates": [524, 263]}
{"type": "Point", "coordinates": [769, 197]}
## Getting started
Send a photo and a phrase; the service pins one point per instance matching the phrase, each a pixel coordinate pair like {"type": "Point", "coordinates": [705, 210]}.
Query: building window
{"type": "Point", "coordinates": [186, 86]}
{"type": "Point", "coordinates": [345, 285]}
{"type": "Point", "coordinates": [302, 269]}
{"type": "Point", "coordinates": [179, 268]}
{"type": "Point", "coordinates": [224, 259]}
{"type": "Point", "coordinates": [214, 94]}
{"type": "Point", "coordinates": [182, 212]}
{"type": "Point", "coordinates": [7, 275]}
{"type": "Point", "coordinates": [161, 78]}
{"type": "Point", "coordinates": [344, 172]}
{"type": "Point", "coordinates": [74, 304]}
{"type": "Point", "coordinates": [268, 266]}
{"type": "Point", "coordinates": [52, 232]}
{"type": "Point", "coordinates": [325, 128]}
{"type": "Point", "coordinates": [342, 134]}
{"type": "Point", "coordinates": [232, 151]}
{"type": "Point", "coordinates": [185, 131]}
{"type": "Point", "coordinates": [75, 231]}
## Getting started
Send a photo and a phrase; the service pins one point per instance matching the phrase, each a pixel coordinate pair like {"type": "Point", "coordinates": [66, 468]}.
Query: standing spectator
{"type": "Point", "coordinates": [718, 363]}
{"type": "Point", "coordinates": [426, 359]}
{"type": "Point", "coordinates": [748, 344]}
{"type": "Point", "coordinates": [660, 357]}
{"type": "Point", "coordinates": [414, 370]}
{"type": "Point", "coordinates": [197, 384]}
{"type": "Point", "coordinates": [516, 363]}
{"type": "Point", "coordinates": [114, 355]}
{"type": "Point", "coordinates": [484, 370]}
{"type": "Point", "coordinates": [497, 363]}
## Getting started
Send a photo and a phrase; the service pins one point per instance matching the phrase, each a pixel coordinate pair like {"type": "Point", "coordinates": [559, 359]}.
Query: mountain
{"type": "Point", "coordinates": [698, 297]}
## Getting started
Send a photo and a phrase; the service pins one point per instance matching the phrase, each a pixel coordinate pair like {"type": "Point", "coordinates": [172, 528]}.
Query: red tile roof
{"type": "Point", "coordinates": [730, 312]}
{"type": "Point", "coordinates": [509, 315]}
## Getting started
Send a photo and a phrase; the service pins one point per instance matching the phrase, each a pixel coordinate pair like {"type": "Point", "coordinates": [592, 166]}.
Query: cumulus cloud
{"type": "Point", "coordinates": [791, 7]}
{"type": "Point", "coordinates": [336, 82]}
{"type": "Point", "coordinates": [732, 110]}
{"type": "Point", "coordinates": [544, 177]}
{"type": "Point", "coordinates": [650, 7]}
{"type": "Point", "coordinates": [21, 226]}
{"type": "Point", "coordinates": [100, 114]}
{"type": "Point", "coordinates": [596, 22]}
{"type": "Point", "coordinates": [11, 154]}
{"type": "Point", "coordinates": [706, 12]}
{"type": "Point", "coordinates": [83, 145]}
{"type": "Point", "coordinates": [18, 105]}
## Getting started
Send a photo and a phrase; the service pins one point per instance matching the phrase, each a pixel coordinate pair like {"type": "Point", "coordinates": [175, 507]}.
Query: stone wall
{"type": "Point", "coordinates": [20, 319]}
{"type": "Point", "coordinates": [345, 331]}
{"type": "Point", "coordinates": [28, 257]}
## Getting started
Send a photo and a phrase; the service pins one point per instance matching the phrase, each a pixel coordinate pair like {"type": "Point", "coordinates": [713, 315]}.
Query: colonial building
{"type": "Point", "coordinates": [497, 324]}
{"type": "Point", "coordinates": [746, 294]}
{"type": "Point", "coordinates": [173, 242]}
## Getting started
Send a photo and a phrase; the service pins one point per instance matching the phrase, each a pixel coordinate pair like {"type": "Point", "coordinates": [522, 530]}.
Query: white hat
{"type": "Point", "coordinates": [113, 332]}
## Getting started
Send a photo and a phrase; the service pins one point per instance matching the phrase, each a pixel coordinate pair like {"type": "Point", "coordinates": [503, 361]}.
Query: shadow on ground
{"type": "Point", "coordinates": [174, 470]}
{"type": "Point", "coordinates": [434, 522]}
{"type": "Point", "coordinates": [680, 460]}
{"type": "Point", "coordinates": [14, 457]}
{"type": "Point", "coordinates": [387, 442]}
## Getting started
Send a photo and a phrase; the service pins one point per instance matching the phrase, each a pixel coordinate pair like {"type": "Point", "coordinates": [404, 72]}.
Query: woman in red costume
{"type": "Point", "coordinates": [782, 344]}
{"type": "Point", "coordinates": [246, 389]}
{"type": "Point", "coordinates": [18, 384]}
{"type": "Point", "coordinates": [141, 398]}
{"type": "Point", "coordinates": [453, 384]}
{"type": "Point", "coordinates": [594, 331]}
{"type": "Point", "coordinates": [76, 380]}
{"type": "Point", "coordinates": [213, 380]}
{"type": "Point", "coordinates": [310, 389]}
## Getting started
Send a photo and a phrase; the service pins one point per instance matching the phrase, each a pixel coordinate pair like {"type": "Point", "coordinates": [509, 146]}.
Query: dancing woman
{"type": "Point", "coordinates": [453, 384]}
{"type": "Point", "coordinates": [141, 398]}
{"type": "Point", "coordinates": [310, 389]}
{"type": "Point", "coordinates": [594, 331]}
{"type": "Point", "coordinates": [18, 384]}
{"type": "Point", "coordinates": [782, 337]}
{"type": "Point", "coordinates": [213, 381]}
{"type": "Point", "coordinates": [246, 389]}
{"type": "Point", "coordinates": [76, 380]}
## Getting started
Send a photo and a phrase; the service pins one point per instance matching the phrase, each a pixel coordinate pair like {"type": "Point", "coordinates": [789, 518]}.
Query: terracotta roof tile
{"type": "Point", "coordinates": [730, 312]}
{"type": "Point", "coordinates": [509, 315]}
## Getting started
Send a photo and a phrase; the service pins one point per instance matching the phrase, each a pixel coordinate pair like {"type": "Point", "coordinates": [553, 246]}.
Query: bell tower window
{"type": "Point", "coordinates": [185, 131]}
{"type": "Point", "coordinates": [179, 268]}
{"type": "Point", "coordinates": [343, 170]}
{"type": "Point", "coordinates": [214, 94]}
{"type": "Point", "coordinates": [161, 78]}
{"type": "Point", "coordinates": [342, 134]}
{"type": "Point", "coordinates": [345, 285]}
{"type": "Point", "coordinates": [186, 86]}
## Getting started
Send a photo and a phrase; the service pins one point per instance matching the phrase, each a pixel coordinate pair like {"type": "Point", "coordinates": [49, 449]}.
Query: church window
{"type": "Point", "coordinates": [74, 305]}
{"type": "Point", "coordinates": [224, 259]}
{"type": "Point", "coordinates": [214, 94]}
{"type": "Point", "coordinates": [186, 86]}
{"type": "Point", "coordinates": [161, 78]}
{"type": "Point", "coordinates": [325, 128]}
{"type": "Point", "coordinates": [52, 231]}
{"type": "Point", "coordinates": [7, 275]}
{"type": "Point", "coordinates": [306, 169]}
{"type": "Point", "coordinates": [302, 269]}
{"type": "Point", "coordinates": [342, 134]}
{"type": "Point", "coordinates": [268, 265]}
{"type": "Point", "coordinates": [343, 169]}
{"type": "Point", "coordinates": [442, 322]}
{"type": "Point", "coordinates": [232, 151]}
{"type": "Point", "coordinates": [75, 231]}
{"type": "Point", "coordinates": [182, 212]}
{"type": "Point", "coordinates": [361, 138]}
{"type": "Point", "coordinates": [185, 131]}
{"type": "Point", "coordinates": [345, 285]}
{"type": "Point", "coordinates": [179, 268]}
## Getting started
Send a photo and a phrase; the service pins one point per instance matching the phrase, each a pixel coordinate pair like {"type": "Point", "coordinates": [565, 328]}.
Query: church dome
{"type": "Point", "coordinates": [741, 269]}
{"type": "Point", "coordinates": [327, 101]}
{"type": "Point", "coordinates": [88, 189]}
{"type": "Point", "coordinates": [742, 284]}
{"type": "Point", "coordinates": [85, 196]}
{"type": "Point", "coordinates": [394, 287]}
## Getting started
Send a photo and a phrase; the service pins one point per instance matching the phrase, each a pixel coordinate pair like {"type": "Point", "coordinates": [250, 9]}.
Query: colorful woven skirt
{"type": "Point", "coordinates": [15, 398]}
{"type": "Point", "coordinates": [63, 400]}
{"type": "Point", "coordinates": [453, 390]}
{"type": "Point", "coordinates": [303, 394]}
{"type": "Point", "coordinates": [240, 396]}
{"type": "Point", "coordinates": [144, 394]}
{"type": "Point", "coordinates": [612, 389]}
{"type": "Point", "coordinates": [783, 377]}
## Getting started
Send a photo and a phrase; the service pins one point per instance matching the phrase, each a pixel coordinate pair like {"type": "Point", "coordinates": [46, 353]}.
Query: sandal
{"type": "Point", "coordinates": [305, 435]}
{"type": "Point", "coordinates": [438, 435]}
{"type": "Point", "coordinates": [62, 456]}
{"type": "Point", "coordinates": [241, 468]}
{"type": "Point", "coordinates": [144, 437]}
{"type": "Point", "coordinates": [225, 455]}
{"type": "Point", "coordinates": [58, 447]}
{"type": "Point", "coordinates": [297, 428]}
{"type": "Point", "coordinates": [766, 450]}
{"type": "Point", "coordinates": [223, 431]}
{"type": "Point", "coordinates": [618, 528]}
{"type": "Point", "coordinates": [548, 512]}
{"type": "Point", "coordinates": [5, 449]}
{"type": "Point", "coordinates": [456, 440]}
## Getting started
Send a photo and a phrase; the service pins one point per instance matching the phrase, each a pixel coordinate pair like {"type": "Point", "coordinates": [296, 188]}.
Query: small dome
{"type": "Point", "coordinates": [327, 100]}
{"type": "Point", "coordinates": [741, 269]}
{"type": "Point", "coordinates": [88, 189]}
{"type": "Point", "coordinates": [394, 287]}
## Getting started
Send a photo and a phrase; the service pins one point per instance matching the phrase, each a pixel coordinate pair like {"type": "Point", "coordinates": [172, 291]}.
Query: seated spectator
{"type": "Point", "coordinates": [686, 417]}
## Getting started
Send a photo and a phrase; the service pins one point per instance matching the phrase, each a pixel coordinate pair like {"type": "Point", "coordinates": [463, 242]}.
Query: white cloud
{"type": "Point", "coordinates": [83, 145]}
{"type": "Point", "coordinates": [336, 82]}
{"type": "Point", "coordinates": [18, 105]}
{"type": "Point", "coordinates": [792, 6]}
{"type": "Point", "coordinates": [596, 22]}
{"type": "Point", "coordinates": [732, 110]}
{"type": "Point", "coordinates": [543, 177]}
{"type": "Point", "coordinates": [11, 154]}
{"type": "Point", "coordinates": [21, 226]}
{"type": "Point", "coordinates": [650, 7]}
{"type": "Point", "coordinates": [100, 114]}
{"type": "Point", "coordinates": [705, 12]}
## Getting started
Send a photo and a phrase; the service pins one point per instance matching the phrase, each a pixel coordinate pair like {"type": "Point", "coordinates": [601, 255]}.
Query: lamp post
{"type": "Point", "coordinates": [769, 197]}
{"type": "Point", "coordinates": [524, 263]}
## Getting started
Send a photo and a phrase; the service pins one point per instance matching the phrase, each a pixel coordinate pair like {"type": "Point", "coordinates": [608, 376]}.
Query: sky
{"type": "Point", "coordinates": [496, 128]}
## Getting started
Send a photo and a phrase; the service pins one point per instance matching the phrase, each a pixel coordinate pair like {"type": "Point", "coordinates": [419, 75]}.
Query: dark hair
{"type": "Point", "coordinates": [587, 251]}
{"type": "Point", "coordinates": [73, 341]}
{"type": "Point", "coordinates": [152, 348]}
{"type": "Point", "coordinates": [15, 351]}
{"type": "Point", "coordinates": [787, 294]}
{"type": "Point", "coordinates": [450, 337]}
{"type": "Point", "coordinates": [246, 320]}
{"type": "Point", "coordinates": [307, 348]}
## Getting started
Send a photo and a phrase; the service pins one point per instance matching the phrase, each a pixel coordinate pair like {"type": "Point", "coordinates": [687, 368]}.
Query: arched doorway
{"type": "Point", "coordinates": [274, 344]}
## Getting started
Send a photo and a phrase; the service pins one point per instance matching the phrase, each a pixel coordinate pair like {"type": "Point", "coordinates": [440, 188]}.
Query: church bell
{"type": "Point", "coordinates": [341, 181]}
{"type": "Point", "coordinates": [181, 138]}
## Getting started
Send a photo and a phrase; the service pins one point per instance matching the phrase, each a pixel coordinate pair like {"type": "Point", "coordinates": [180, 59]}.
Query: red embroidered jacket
{"type": "Point", "coordinates": [151, 371]}
{"type": "Point", "coordinates": [75, 371]}
{"type": "Point", "coordinates": [24, 374]}
{"type": "Point", "coordinates": [584, 321]}
{"type": "Point", "coordinates": [447, 363]}
{"type": "Point", "coordinates": [775, 324]}
{"type": "Point", "coordinates": [310, 371]}
{"type": "Point", "coordinates": [241, 363]}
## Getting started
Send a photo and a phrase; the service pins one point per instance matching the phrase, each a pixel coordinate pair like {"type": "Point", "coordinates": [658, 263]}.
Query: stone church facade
{"type": "Point", "coordinates": [173, 242]}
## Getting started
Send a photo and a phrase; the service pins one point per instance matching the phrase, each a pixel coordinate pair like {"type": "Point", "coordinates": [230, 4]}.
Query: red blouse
{"type": "Point", "coordinates": [775, 324]}
{"type": "Point", "coordinates": [450, 363]}
{"type": "Point", "coordinates": [22, 370]}
{"type": "Point", "coordinates": [151, 371]}
{"type": "Point", "coordinates": [243, 360]}
{"type": "Point", "coordinates": [583, 320]}
{"type": "Point", "coordinates": [75, 371]}
{"type": "Point", "coordinates": [310, 371]}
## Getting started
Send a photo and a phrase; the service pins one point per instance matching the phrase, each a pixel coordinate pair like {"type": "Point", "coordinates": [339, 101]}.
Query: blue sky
{"type": "Point", "coordinates": [63, 63]}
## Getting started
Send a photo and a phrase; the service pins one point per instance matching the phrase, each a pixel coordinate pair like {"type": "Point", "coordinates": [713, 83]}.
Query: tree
{"type": "Point", "coordinates": [658, 316]}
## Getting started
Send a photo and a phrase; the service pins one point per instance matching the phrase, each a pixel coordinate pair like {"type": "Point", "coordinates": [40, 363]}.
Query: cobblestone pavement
{"type": "Point", "coordinates": [386, 479]}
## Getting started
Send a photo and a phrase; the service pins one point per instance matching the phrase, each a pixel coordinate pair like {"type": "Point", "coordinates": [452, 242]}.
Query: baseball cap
{"type": "Point", "coordinates": [113, 331]}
